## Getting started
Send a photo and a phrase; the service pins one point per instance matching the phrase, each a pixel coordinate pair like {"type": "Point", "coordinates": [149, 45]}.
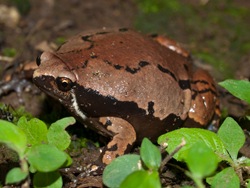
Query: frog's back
{"type": "Point", "coordinates": [129, 67]}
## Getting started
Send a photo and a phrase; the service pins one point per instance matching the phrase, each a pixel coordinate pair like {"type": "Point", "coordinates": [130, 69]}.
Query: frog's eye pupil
{"type": "Point", "coordinates": [38, 60]}
{"type": "Point", "coordinates": [64, 84]}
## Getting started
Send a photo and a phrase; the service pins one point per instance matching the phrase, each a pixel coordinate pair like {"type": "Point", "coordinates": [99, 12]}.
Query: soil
{"type": "Point", "coordinates": [41, 27]}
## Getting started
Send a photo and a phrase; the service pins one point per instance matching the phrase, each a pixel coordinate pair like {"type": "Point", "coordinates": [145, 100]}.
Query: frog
{"type": "Point", "coordinates": [126, 86]}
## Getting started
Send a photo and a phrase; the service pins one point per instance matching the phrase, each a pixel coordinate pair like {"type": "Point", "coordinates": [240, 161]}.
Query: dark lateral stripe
{"type": "Point", "coordinates": [164, 70]}
{"type": "Point", "coordinates": [184, 84]}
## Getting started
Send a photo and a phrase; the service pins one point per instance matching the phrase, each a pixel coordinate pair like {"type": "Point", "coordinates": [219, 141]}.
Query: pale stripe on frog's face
{"type": "Point", "coordinates": [76, 107]}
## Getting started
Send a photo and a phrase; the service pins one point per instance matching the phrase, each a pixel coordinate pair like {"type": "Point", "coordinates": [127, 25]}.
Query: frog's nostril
{"type": "Point", "coordinates": [38, 60]}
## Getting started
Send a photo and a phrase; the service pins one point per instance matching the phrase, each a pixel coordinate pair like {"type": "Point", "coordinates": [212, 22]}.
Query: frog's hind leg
{"type": "Point", "coordinates": [205, 103]}
{"type": "Point", "coordinates": [122, 141]}
{"type": "Point", "coordinates": [171, 44]}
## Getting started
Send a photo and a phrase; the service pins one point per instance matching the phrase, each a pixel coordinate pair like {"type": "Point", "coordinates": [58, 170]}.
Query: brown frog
{"type": "Point", "coordinates": [127, 86]}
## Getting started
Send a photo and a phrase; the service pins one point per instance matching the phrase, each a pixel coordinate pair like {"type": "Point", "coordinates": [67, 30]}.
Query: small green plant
{"type": "Point", "coordinates": [129, 171]}
{"type": "Point", "coordinates": [223, 146]}
{"type": "Point", "coordinates": [40, 150]}
{"type": "Point", "coordinates": [201, 161]}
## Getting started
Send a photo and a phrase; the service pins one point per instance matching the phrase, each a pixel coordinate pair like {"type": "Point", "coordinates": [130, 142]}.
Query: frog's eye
{"type": "Point", "coordinates": [64, 84]}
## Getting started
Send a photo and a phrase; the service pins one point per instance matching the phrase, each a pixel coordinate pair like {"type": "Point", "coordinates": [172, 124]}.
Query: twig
{"type": "Point", "coordinates": [170, 156]}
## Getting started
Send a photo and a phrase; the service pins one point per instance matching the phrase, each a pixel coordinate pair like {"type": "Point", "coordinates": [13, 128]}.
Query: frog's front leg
{"type": "Point", "coordinates": [122, 141]}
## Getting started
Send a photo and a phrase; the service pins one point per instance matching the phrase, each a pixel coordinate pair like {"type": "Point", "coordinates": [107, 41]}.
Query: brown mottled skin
{"type": "Point", "coordinates": [127, 86]}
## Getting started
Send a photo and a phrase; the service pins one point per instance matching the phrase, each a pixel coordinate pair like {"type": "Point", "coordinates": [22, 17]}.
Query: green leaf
{"type": "Point", "coordinates": [15, 175]}
{"type": "Point", "coordinates": [48, 180]}
{"type": "Point", "coordinates": [227, 178]}
{"type": "Point", "coordinates": [239, 88]}
{"type": "Point", "coordinates": [150, 154]}
{"type": "Point", "coordinates": [68, 161]}
{"type": "Point", "coordinates": [142, 179]}
{"type": "Point", "coordinates": [35, 130]}
{"type": "Point", "coordinates": [191, 136]}
{"type": "Point", "coordinates": [13, 137]}
{"type": "Point", "coordinates": [232, 136]}
{"type": "Point", "coordinates": [201, 160]}
{"type": "Point", "coordinates": [119, 169]}
{"type": "Point", "coordinates": [57, 130]}
{"type": "Point", "coordinates": [46, 158]}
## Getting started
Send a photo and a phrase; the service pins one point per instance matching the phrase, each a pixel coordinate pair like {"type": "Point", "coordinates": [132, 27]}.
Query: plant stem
{"type": "Point", "coordinates": [166, 159]}
{"type": "Point", "coordinates": [198, 182]}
